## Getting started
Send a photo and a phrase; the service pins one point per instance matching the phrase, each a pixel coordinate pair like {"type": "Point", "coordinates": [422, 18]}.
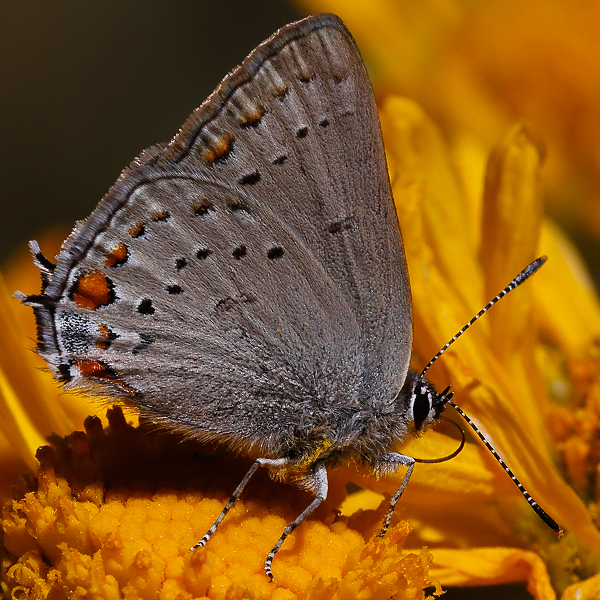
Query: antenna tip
{"type": "Point", "coordinates": [537, 263]}
{"type": "Point", "coordinates": [560, 534]}
{"type": "Point", "coordinates": [530, 269]}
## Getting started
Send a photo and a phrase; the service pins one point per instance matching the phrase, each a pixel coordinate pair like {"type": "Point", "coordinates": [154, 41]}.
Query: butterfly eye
{"type": "Point", "coordinates": [421, 408]}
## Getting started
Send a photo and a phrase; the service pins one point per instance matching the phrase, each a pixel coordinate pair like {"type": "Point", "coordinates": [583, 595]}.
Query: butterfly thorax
{"type": "Point", "coordinates": [365, 438]}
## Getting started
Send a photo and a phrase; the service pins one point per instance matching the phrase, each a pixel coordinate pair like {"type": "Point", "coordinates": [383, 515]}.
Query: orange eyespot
{"type": "Point", "coordinates": [93, 290]}
{"type": "Point", "coordinates": [136, 230]}
{"type": "Point", "coordinates": [98, 370]}
{"type": "Point", "coordinates": [117, 255]}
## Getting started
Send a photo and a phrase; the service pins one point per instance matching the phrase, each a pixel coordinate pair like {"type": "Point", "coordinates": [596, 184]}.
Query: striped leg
{"type": "Point", "coordinates": [260, 462]}
{"type": "Point", "coordinates": [322, 486]}
{"type": "Point", "coordinates": [406, 461]}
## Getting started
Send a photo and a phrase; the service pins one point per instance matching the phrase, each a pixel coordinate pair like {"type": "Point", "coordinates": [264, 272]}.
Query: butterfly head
{"type": "Point", "coordinates": [425, 403]}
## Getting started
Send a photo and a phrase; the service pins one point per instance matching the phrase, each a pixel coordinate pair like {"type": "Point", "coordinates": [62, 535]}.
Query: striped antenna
{"type": "Point", "coordinates": [541, 513]}
{"type": "Point", "coordinates": [516, 282]}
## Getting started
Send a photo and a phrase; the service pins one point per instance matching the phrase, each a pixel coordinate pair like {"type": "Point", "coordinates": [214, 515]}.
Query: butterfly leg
{"type": "Point", "coordinates": [260, 462]}
{"type": "Point", "coordinates": [321, 485]}
{"type": "Point", "coordinates": [395, 458]}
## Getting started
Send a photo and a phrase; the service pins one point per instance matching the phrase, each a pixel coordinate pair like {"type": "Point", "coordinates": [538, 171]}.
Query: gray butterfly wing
{"type": "Point", "coordinates": [246, 281]}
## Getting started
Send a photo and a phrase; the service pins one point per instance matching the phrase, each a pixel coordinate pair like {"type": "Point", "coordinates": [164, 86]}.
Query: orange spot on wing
{"type": "Point", "coordinates": [281, 90]}
{"type": "Point", "coordinates": [95, 369]}
{"type": "Point", "coordinates": [106, 337]}
{"type": "Point", "coordinates": [160, 214]}
{"type": "Point", "coordinates": [136, 230]}
{"type": "Point", "coordinates": [201, 206]}
{"type": "Point", "coordinates": [117, 255]}
{"type": "Point", "coordinates": [220, 149]}
{"type": "Point", "coordinates": [251, 117]}
{"type": "Point", "coordinates": [92, 290]}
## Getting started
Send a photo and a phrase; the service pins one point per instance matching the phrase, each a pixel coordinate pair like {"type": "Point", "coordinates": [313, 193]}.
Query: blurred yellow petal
{"type": "Point", "coordinates": [489, 566]}
{"type": "Point", "coordinates": [511, 220]}
{"type": "Point", "coordinates": [24, 425]}
{"type": "Point", "coordinates": [429, 199]}
{"type": "Point", "coordinates": [584, 590]}
{"type": "Point", "coordinates": [361, 500]}
{"type": "Point", "coordinates": [571, 319]}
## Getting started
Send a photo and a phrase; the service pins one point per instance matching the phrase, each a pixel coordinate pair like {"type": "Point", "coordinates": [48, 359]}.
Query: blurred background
{"type": "Point", "coordinates": [84, 87]}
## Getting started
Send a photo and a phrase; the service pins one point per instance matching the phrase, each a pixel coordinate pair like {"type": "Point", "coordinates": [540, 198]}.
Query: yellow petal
{"type": "Point", "coordinates": [424, 181]}
{"type": "Point", "coordinates": [489, 566]}
{"type": "Point", "coordinates": [511, 221]}
{"type": "Point", "coordinates": [565, 295]}
{"type": "Point", "coordinates": [24, 425]}
{"type": "Point", "coordinates": [583, 590]}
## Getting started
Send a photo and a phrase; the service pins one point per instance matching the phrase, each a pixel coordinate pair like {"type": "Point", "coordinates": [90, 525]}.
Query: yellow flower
{"type": "Point", "coordinates": [480, 65]}
{"type": "Point", "coordinates": [113, 511]}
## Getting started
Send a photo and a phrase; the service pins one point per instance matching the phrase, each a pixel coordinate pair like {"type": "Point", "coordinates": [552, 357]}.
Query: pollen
{"type": "Point", "coordinates": [309, 459]}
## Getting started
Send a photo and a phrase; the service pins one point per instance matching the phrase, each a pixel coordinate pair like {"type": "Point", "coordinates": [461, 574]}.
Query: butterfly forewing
{"type": "Point", "coordinates": [249, 277]}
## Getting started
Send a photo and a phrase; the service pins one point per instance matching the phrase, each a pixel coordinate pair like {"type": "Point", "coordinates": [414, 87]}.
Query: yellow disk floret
{"type": "Point", "coordinates": [114, 511]}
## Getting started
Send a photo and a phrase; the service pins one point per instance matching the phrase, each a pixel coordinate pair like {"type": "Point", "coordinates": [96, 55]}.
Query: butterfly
{"type": "Point", "coordinates": [246, 283]}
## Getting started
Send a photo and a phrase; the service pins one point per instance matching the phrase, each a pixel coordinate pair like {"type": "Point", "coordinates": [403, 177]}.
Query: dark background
{"type": "Point", "coordinates": [86, 86]}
